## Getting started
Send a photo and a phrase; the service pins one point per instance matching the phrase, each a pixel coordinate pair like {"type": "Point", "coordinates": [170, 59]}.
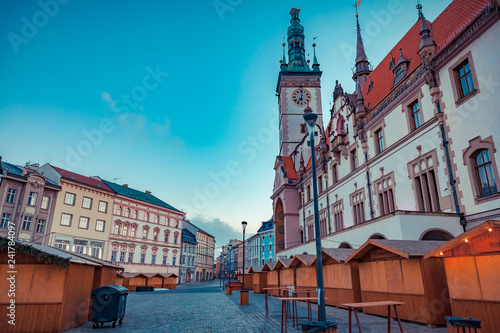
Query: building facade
{"type": "Point", "coordinates": [205, 252]}
{"type": "Point", "coordinates": [188, 256]}
{"type": "Point", "coordinates": [82, 217]}
{"type": "Point", "coordinates": [27, 203]}
{"type": "Point", "coordinates": [410, 153]}
{"type": "Point", "coordinates": [145, 234]}
{"type": "Point", "coordinates": [266, 237]}
{"type": "Point", "coordinates": [252, 251]}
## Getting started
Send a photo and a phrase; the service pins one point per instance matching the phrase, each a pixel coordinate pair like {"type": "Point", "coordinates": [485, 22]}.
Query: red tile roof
{"type": "Point", "coordinates": [445, 27]}
{"type": "Point", "coordinates": [83, 179]}
{"type": "Point", "coordinates": [289, 167]}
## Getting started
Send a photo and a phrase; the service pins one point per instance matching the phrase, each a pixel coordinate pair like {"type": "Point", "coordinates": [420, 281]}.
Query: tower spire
{"type": "Point", "coordinates": [362, 66]}
{"type": "Point", "coordinates": [425, 31]}
{"type": "Point", "coordinates": [283, 61]}
{"type": "Point", "coordinates": [315, 60]}
{"type": "Point", "coordinates": [296, 50]}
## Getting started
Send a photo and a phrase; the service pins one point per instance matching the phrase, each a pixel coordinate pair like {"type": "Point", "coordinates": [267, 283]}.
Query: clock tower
{"type": "Point", "coordinates": [299, 85]}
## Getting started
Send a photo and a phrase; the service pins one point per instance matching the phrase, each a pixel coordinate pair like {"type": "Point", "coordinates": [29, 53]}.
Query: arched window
{"type": "Point", "coordinates": [119, 211]}
{"type": "Point", "coordinates": [127, 212]}
{"type": "Point", "coordinates": [155, 234]}
{"type": "Point", "coordinates": [484, 173]}
{"type": "Point", "coordinates": [146, 217]}
{"type": "Point", "coordinates": [134, 213]}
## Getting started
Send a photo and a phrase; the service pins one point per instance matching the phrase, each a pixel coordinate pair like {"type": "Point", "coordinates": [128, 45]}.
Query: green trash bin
{"type": "Point", "coordinates": [109, 305]}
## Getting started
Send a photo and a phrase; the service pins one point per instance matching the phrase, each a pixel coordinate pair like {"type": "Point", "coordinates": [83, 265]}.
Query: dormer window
{"type": "Point", "coordinates": [401, 69]}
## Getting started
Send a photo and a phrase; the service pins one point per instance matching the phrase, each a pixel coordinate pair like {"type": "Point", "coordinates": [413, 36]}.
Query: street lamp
{"type": "Point", "coordinates": [244, 224]}
{"type": "Point", "coordinates": [311, 118]}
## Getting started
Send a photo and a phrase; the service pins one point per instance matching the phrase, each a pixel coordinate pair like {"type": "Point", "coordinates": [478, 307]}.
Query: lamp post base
{"type": "Point", "coordinates": [244, 297]}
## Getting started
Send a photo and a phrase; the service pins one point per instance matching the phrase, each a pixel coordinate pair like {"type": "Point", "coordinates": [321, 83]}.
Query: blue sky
{"type": "Point", "coordinates": [169, 96]}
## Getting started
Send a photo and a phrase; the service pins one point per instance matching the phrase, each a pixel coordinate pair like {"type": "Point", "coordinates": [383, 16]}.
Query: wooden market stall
{"type": "Point", "coordinates": [341, 280]}
{"type": "Point", "coordinates": [134, 280]}
{"type": "Point", "coordinates": [259, 279]}
{"type": "Point", "coordinates": [52, 288]}
{"type": "Point", "coordinates": [119, 279]}
{"type": "Point", "coordinates": [155, 280]}
{"type": "Point", "coordinates": [248, 279]}
{"type": "Point", "coordinates": [170, 281]}
{"type": "Point", "coordinates": [305, 272]}
{"type": "Point", "coordinates": [472, 264]}
{"type": "Point", "coordinates": [395, 270]}
{"type": "Point", "coordinates": [286, 274]}
{"type": "Point", "coordinates": [273, 277]}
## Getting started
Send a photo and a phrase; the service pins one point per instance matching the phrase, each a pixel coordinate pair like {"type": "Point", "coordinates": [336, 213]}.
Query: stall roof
{"type": "Point", "coordinates": [402, 248]}
{"type": "Point", "coordinates": [480, 230]}
{"type": "Point", "coordinates": [96, 260]}
{"type": "Point", "coordinates": [58, 253]}
{"type": "Point", "coordinates": [337, 254]}
{"type": "Point", "coordinates": [269, 266]}
{"type": "Point", "coordinates": [133, 275]}
{"type": "Point", "coordinates": [256, 269]}
{"type": "Point", "coordinates": [304, 259]}
{"type": "Point", "coordinates": [283, 263]}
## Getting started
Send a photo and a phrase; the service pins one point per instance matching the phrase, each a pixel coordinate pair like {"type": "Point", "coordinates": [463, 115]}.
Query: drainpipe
{"type": "Point", "coordinates": [440, 115]}
{"type": "Point", "coordinates": [364, 146]}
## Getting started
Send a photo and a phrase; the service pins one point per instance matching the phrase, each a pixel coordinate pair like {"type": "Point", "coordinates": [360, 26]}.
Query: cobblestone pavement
{"type": "Point", "coordinates": [195, 307]}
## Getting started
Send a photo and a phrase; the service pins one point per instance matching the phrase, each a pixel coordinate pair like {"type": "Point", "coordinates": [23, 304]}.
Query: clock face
{"type": "Point", "coordinates": [301, 96]}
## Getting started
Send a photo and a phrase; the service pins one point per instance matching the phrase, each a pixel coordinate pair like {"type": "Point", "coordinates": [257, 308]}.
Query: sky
{"type": "Point", "coordinates": [174, 97]}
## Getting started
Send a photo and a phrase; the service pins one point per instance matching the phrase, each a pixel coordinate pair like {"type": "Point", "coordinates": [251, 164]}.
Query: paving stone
{"type": "Point", "coordinates": [196, 307]}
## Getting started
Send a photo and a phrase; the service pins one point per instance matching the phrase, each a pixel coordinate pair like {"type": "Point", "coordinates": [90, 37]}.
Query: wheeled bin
{"type": "Point", "coordinates": [109, 305]}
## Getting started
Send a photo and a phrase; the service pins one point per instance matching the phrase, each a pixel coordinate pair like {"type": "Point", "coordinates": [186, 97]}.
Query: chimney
{"type": "Point", "coordinates": [125, 185]}
{"type": "Point", "coordinates": [148, 192]}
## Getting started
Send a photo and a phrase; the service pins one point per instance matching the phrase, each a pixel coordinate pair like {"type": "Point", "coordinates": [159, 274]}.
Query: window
{"type": "Point", "coordinates": [113, 255]}
{"type": "Point", "coordinates": [11, 195]}
{"type": "Point", "coordinates": [164, 262]}
{"type": "Point", "coordinates": [81, 246]}
{"type": "Point", "coordinates": [133, 231]}
{"type": "Point", "coordinates": [338, 215]}
{"type": "Point", "coordinates": [45, 203]}
{"type": "Point", "coordinates": [144, 233]}
{"type": "Point", "coordinates": [27, 223]}
{"type": "Point", "coordinates": [66, 219]}
{"type": "Point", "coordinates": [32, 199]}
{"type": "Point", "coordinates": [99, 225]}
{"type": "Point", "coordinates": [415, 115]}
{"type": "Point", "coordinates": [143, 258]}
{"type": "Point", "coordinates": [308, 192]}
{"type": "Point", "coordinates": [320, 184]}
{"type": "Point", "coordinates": [379, 141]}
{"type": "Point", "coordinates": [69, 199]}
{"type": "Point", "coordinates": [103, 206]}
{"type": "Point", "coordinates": [484, 173]}
{"type": "Point", "coordinates": [127, 212]}
{"type": "Point", "coordinates": [263, 248]}
{"type": "Point", "coordinates": [131, 257]}
{"type": "Point", "coordinates": [310, 228]}
{"type": "Point", "coordinates": [125, 230]}
{"type": "Point", "coordinates": [87, 203]}
{"type": "Point", "coordinates": [464, 78]}
{"type": "Point", "coordinates": [61, 244]}
{"type": "Point", "coordinates": [335, 174]}
{"type": "Point", "coordinates": [118, 228]}
{"type": "Point", "coordinates": [157, 219]}
{"type": "Point", "coordinates": [134, 213]}
{"type": "Point", "coordinates": [5, 220]}
{"type": "Point", "coordinates": [122, 256]}
{"type": "Point", "coordinates": [384, 190]}
{"type": "Point", "coordinates": [302, 128]}
{"type": "Point", "coordinates": [173, 261]}
{"type": "Point", "coordinates": [119, 211]}
{"type": "Point", "coordinates": [155, 235]}
{"type": "Point", "coordinates": [270, 247]}
{"type": "Point", "coordinates": [358, 206]}
{"type": "Point", "coordinates": [323, 226]}
{"type": "Point", "coordinates": [84, 222]}
{"type": "Point", "coordinates": [425, 185]}
{"type": "Point", "coordinates": [166, 237]}
{"type": "Point", "coordinates": [175, 239]}
{"type": "Point", "coordinates": [354, 159]}
{"type": "Point", "coordinates": [146, 217]}
{"type": "Point", "coordinates": [153, 259]}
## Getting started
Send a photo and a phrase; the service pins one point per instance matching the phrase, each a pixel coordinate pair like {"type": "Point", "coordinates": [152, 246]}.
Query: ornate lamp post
{"type": "Point", "coordinates": [311, 118]}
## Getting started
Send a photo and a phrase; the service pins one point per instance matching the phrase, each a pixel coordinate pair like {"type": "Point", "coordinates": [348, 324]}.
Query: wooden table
{"type": "Point", "coordinates": [355, 306]}
{"type": "Point", "coordinates": [284, 301]}
{"type": "Point", "coordinates": [294, 303]}
{"type": "Point", "coordinates": [273, 288]}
